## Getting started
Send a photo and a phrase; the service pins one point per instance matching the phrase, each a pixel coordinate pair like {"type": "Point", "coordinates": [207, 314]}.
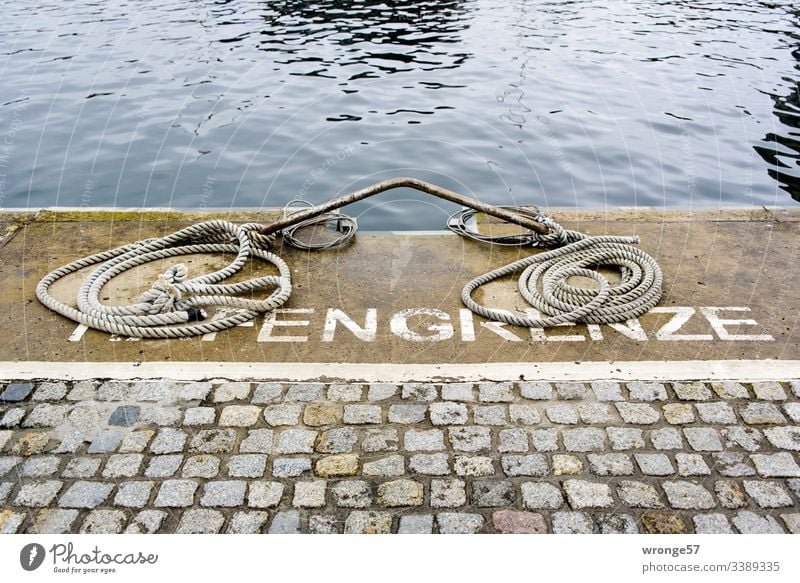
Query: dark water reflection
{"type": "Point", "coordinates": [218, 104]}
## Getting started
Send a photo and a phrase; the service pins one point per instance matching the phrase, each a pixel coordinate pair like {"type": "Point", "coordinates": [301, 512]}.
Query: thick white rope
{"type": "Point", "coordinates": [560, 302]}
{"type": "Point", "coordinates": [165, 310]}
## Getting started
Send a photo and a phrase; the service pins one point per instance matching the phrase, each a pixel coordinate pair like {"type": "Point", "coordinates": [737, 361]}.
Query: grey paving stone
{"type": "Point", "coordinates": [296, 441]}
{"type": "Point", "coordinates": [416, 524]}
{"type": "Point", "coordinates": [84, 494]}
{"type": "Point", "coordinates": [595, 413]}
{"type": "Point", "coordinates": [463, 392]}
{"type": "Point", "coordinates": [160, 390]}
{"type": "Point", "coordinates": [567, 465]}
{"type": "Point", "coordinates": [617, 524]}
{"type": "Point", "coordinates": [610, 464]}
{"type": "Point", "coordinates": [784, 437]}
{"type": "Point", "coordinates": [198, 391]}
{"type": "Point", "coordinates": [160, 415]}
{"type": "Point", "coordinates": [54, 521]}
{"type": "Point", "coordinates": [5, 490]}
{"type": "Point", "coordinates": [16, 392]}
{"type": "Point", "coordinates": [362, 414]}
{"type": "Point", "coordinates": [247, 466]}
{"type": "Point", "coordinates": [666, 438]}
{"type": "Point", "coordinates": [352, 494]}
{"type": "Point", "coordinates": [38, 494]}
{"type": "Point", "coordinates": [201, 466]}
{"type": "Point", "coordinates": [382, 391]}
{"type": "Point", "coordinates": [163, 466]}
{"type": "Point", "coordinates": [732, 464]}
{"type": "Point", "coordinates": [490, 415]}
{"type": "Point", "coordinates": [5, 438]}
{"type": "Point", "coordinates": [562, 414]}
{"type": "Point", "coordinates": [778, 465]}
{"type": "Point", "coordinates": [213, 441]}
{"type": "Point", "coordinates": [200, 521]}
{"type": "Point", "coordinates": [638, 413]}
{"type": "Point", "coordinates": [46, 415]}
{"type": "Point", "coordinates": [136, 441]}
{"type": "Point", "coordinates": [688, 496]}
{"type": "Point", "coordinates": [176, 493]}
{"type": "Point", "coordinates": [748, 522]}
{"type": "Point", "coordinates": [524, 414]}
{"type": "Point", "coordinates": [623, 438]}
{"type": "Point", "coordinates": [266, 393]}
{"type": "Point", "coordinates": [400, 493]}
{"type": "Point", "coordinates": [459, 522]}
{"type": "Point", "coordinates": [323, 524]}
{"type": "Point", "coordinates": [486, 493]}
{"type": "Point", "coordinates": [305, 392]}
{"type": "Point", "coordinates": [584, 439]}
{"type": "Point", "coordinates": [116, 391]}
{"type": "Point", "coordinates": [103, 522]}
{"type": "Point", "coordinates": [470, 439]}
{"type": "Point", "coordinates": [40, 466]}
{"type": "Point", "coordinates": [425, 440]}
{"type": "Point", "coordinates": [644, 391]}
{"type": "Point", "coordinates": [748, 438]}
{"type": "Point", "coordinates": [691, 464]}
{"type": "Point", "coordinates": [730, 494]}
{"type": "Point", "coordinates": [51, 391]}
{"type": "Point", "coordinates": [340, 440]}
{"type": "Point", "coordinates": [349, 393]}
{"type": "Point", "coordinates": [125, 465]}
{"type": "Point", "coordinates": [794, 385]}
{"type": "Point", "coordinates": [247, 522]}
{"type": "Point", "coordinates": [105, 441]}
{"type": "Point", "coordinates": [168, 440]}
{"type": "Point", "coordinates": [264, 494]}
{"type": "Point", "coordinates": [767, 494]}
{"type": "Point", "coordinates": [536, 391]}
{"type": "Point", "coordinates": [607, 391]}
{"type": "Point", "coordinates": [448, 413]}
{"type": "Point", "coordinates": [541, 495]}
{"type": "Point", "coordinates": [11, 521]}
{"type": "Point", "coordinates": [390, 466]}
{"type": "Point", "coordinates": [762, 414]}
{"type": "Point", "coordinates": [283, 414]}
{"type": "Point", "coordinates": [368, 522]}
{"type": "Point", "coordinates": [544, 439]}
{"type": "Point", "coordinates": [448, 493]}
{"type": "Point", "coordinates": [496, 392]}
{"type": "Point", "coordinates": [678, 413]}
{"type": "Point", "coordinates": [82, 391]}
{"type": "Point", "coordinates": [793, 411]}
{"type": "Point", "coordinates": [795, 486]}
{"type": "Point", "coordinates": [239, 416]}
{"type": "Point", "coordinates": [80, 467]}
{"type": "Point", "coordinates": [436, 464]}
{"type": "Point", "coordinates": [716, 413]}
{"type": "Point", "coordinates": [419, 392]}
{"type": "Point", "coordinates": [513, 441]}
{"type": "Point", "coordinates": [290, 467]}
{"type": "Point", "coordinates": [407, 413]}
{"type": "Point", "coordinates": [730, 390]}
{"type": "Point", "coordinates": [473, 466]}
{"type": "Point", "coordinates": [227, 493]}
{"type": "Point", "coordinates": [638, 495]}
{"type": "Point", "coordinates": [309, 494]}
{"type": "Point", "coordinates": [227, 392]}
{"type": "Point", "coordinates": [572, 523]}
{"type": "Point", "coordinates": [703, 438]}
{"type": "Point", "coordinates": [125, 415]}
{"type": "Point", "coordinates": [712, 524]}
{"type": "Point", "coordinates": [12, 417]}
{"type": "Point", "coordinates": [524, 465]}
{"type": "Point", "coordinates": [568, 391]}
{"type": "Point", "coordinates": [287, 522]}
{"type": "Point", "coordinates": [691, 391]}
{"type": "Point", "coordinates": [769, 391]}
{"type": "Point", "coordinates": [654, 464]}
{"type": "Point", "coordinates": [257, 441]}
{"type": "Point", "coordinates": [133, 494]}
{"type": "Point", "coordinates": [582, 494]}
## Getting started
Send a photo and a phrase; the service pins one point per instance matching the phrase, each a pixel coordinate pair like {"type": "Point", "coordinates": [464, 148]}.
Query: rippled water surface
{"type": "Point", "coordinates": [217, 104]}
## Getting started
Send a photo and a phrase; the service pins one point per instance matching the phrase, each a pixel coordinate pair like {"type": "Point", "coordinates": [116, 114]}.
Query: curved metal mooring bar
{"type": "Point", "coordinates": [420, 185]}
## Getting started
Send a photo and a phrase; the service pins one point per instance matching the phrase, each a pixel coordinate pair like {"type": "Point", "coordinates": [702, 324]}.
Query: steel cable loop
{"type": "Point", "coordinates": [544, 284]}
{"type": "Point", "coordinates": [166, 310]}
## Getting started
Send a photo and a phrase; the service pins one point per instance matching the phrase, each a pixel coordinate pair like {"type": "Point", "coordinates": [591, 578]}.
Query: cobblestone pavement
{"type": "Point", "coordinates": [163, 456]}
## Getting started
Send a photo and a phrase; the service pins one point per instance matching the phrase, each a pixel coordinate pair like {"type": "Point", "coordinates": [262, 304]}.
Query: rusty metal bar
{"type": "Point", "coordinates": [416, 184]}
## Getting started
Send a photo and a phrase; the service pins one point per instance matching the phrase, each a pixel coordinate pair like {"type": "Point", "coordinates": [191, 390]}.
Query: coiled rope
{"type": "Point", "coordinates": [163, 311]}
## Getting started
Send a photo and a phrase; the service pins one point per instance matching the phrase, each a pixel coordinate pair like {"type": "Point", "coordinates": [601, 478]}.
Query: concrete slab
{"type": "Point", "coordinates": [729, 294]}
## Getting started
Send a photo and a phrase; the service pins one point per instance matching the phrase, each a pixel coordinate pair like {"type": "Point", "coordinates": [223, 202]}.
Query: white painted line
{"type": "Point", "coordinates": [743, 370]}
